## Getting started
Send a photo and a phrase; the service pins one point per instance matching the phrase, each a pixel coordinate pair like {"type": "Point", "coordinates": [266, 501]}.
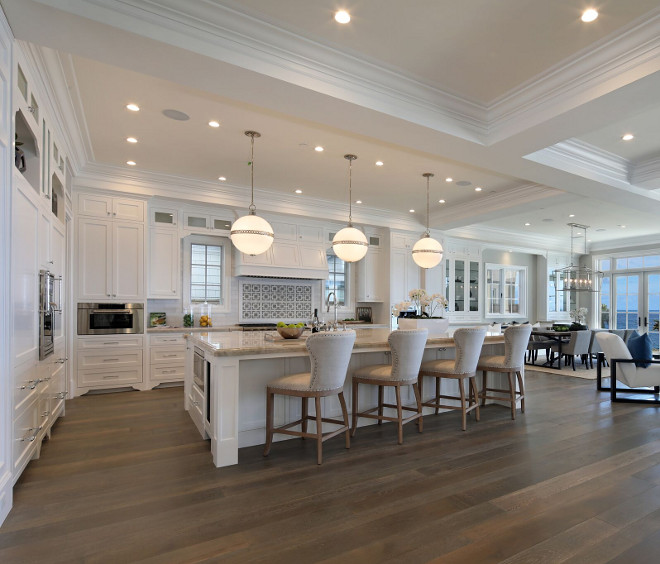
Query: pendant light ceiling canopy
{"type": "Point", "coordinates": [576, 278]}
{"type": "Point", "coordinates": [427, 252]}
{"type": "Point", "coordinates": [350, 244]}
{"type": "Point", "coordinates": [252, 234]}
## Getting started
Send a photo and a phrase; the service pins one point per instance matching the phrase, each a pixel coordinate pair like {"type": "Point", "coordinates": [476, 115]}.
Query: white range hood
{"type": "Point", "coordinates": [285, 259]}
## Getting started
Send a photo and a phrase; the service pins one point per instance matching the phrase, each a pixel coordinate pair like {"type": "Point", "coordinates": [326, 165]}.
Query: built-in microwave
{"type": "Point", "coordinates": [107, 319]}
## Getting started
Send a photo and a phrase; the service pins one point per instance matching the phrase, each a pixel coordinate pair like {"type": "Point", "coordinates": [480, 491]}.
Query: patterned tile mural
{"type": "Point", "coordinates": [275, 300]}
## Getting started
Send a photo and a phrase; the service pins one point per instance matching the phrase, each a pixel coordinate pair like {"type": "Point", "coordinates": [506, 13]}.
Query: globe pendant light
{"type": "Point", "coordinates": [350, 244]}
{"type": "Point", "coordinates": [427, 252]}
{"type": "Point", "coordinates": [252, 234]}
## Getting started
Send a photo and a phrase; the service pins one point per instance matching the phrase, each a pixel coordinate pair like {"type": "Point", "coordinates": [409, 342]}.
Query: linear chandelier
{"type": "Point", "coordinates": [576, 278]}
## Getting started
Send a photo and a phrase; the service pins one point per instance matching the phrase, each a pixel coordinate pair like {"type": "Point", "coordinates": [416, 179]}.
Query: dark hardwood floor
{"type": "Point", "coordinates": [126, 478]}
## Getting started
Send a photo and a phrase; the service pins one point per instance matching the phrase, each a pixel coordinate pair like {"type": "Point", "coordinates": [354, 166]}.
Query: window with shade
{"type": "Point", "coordinates": [206, 273]}
{"type": "Point", "coordinates": [336, 281]}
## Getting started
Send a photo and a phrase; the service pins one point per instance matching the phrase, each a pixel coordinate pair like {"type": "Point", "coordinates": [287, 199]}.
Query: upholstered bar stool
{"type": "Point", "coordinates": [407, 348]}
{"type": "Point", "coordinates": [516, 339]}
{"type": "Point", "coordinates": [329, 354]}
{"type": "Point", "coordinates": [468, 343]}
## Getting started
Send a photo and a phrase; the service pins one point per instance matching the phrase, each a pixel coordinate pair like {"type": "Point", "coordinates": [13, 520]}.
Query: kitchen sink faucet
{"type": "Point", "coordinates": [334, 302]}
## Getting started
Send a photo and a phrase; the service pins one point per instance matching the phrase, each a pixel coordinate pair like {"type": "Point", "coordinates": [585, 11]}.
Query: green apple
{"type": "Point", "coordinates": [281, 324]}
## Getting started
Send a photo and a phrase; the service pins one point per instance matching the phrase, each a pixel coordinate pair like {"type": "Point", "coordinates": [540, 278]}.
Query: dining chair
{"type": "Point", "coordinates": [330, 354]}
{"type": "Point", "coordinates": [578, 345]}
{"type": "Point", "coordinates": [407, 348]}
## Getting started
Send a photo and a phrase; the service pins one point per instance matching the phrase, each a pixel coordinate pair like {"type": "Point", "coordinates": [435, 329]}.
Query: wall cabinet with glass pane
{"type": "Point", "coordinates": [462, 275]}
{"type": "Point", "coordinates": [506, 290]}
{"type": "Point", "coordinates": [194, 222]}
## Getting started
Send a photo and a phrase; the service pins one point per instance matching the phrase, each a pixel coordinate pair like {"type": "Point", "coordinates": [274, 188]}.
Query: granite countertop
{"type": "Point", "coordinates": [237, 343]}
{"type": "Point", "coordinates": [174, 329]}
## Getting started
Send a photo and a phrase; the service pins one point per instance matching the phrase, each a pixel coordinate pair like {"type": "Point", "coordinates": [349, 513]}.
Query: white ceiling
{"type": "Point", "coordinates": [466, 89]}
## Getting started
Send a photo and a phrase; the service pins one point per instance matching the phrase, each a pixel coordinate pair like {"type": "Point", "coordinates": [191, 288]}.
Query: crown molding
{"type": "Point", "coordinates": [115, 179]}
{"type": "Point", "coordinates": [491, 206]}
{"type": "Point", "coordinates": [630, 243]}
{"type": "Point", "coordinates": [646, 173]}
{"type": "Point", "coordinates": [520, 242]}
{"type": "Point", "coordinates": [599, 68]}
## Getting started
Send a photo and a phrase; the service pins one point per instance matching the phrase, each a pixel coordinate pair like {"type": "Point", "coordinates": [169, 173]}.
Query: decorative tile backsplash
{"type": "Point", "coordinates": [282, 300]}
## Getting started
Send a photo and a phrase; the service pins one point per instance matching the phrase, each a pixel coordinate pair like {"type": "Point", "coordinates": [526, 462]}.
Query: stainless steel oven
{"type": "Point", "coordinates": [108, 319]}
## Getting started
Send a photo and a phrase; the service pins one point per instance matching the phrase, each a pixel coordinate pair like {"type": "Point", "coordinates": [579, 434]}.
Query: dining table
{"type": "Point", "coordinates": [560, 337]}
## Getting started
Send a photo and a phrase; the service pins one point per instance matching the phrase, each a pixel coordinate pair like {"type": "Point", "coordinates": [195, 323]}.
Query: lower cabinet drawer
{"type": "Point", "coordinates": [159, 340]}
{"type": "Point", "coordinates": [113, 377]}
{"type": "Point", "coordinates": [196, 415]}
{"type": "Point", "coordinates": [109, 359]}
{"type": "Point", "coordinates": [167, 372]}
{"type": "Point", "coordinates": [168, 354]}
{"type": "Point", "coordinates": [26, 431]}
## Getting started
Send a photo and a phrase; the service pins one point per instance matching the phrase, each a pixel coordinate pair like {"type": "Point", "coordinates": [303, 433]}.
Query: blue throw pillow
{"type": "Point", "coordinates": [640, 347]}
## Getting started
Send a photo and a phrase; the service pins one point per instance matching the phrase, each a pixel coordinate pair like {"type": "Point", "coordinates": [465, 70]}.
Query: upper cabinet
{"type": "Point", "coordinates": [462, 269]}
{"type": "Point", "coordinates": [404, 272]}
{"type": "Point", "coordinates": [371, 276]}
{"type": "Point", "coordinates": [194, 222]}
{"type": "Point", "coordinates": [102, 206]}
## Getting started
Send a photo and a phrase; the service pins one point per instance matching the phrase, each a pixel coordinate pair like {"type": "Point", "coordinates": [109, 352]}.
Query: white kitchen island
{"type": "Point", "coordinates": [230, 407]}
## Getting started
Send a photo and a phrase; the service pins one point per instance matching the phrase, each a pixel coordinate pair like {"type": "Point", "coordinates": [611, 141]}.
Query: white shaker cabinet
{"type": "Point", "coordinates": [164, 263]}
{"type": "Point", "coordinates": [110, 260]}
{"type": "Point", "coordinates": [102, 206]}
{"type": "Point", "coordinates": [404, 273]}
{"type": "Point", "coordinates": [369, 277]}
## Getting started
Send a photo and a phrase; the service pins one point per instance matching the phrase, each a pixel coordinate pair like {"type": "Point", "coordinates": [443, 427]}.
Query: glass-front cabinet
{"type": "Point", "coordinates": [506, 290]}
{"type": "Point", "coordinates": [462, 277]}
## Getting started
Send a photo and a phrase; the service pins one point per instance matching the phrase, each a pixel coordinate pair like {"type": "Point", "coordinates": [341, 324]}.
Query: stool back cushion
{"type": "Point", "coordinates": [516, 339]}
{"type": "Point", "coordinates": [468, 341]}
{"type": "Point", "coordinates": [329, 354]}
{"type": "Point", "coordinates": [407, 351]}
{"type": "Point", "coordinates": [614, 347]}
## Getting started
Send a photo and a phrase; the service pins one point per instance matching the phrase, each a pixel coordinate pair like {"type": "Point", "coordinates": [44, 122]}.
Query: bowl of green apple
{"type": "Point", "coordinates": [291, 330]}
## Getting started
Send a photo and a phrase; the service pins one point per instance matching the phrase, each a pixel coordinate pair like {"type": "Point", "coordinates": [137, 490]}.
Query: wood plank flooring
{"type": "Point", "coordinates": [126, 478]}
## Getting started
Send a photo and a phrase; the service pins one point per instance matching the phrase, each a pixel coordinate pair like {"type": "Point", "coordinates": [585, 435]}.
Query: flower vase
{"type": "Point", "coordinates": [437, 326]}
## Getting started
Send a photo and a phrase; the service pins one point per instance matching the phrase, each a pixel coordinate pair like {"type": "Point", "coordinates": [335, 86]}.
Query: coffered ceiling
{"type": "Point", "coordinates": [519, 98]}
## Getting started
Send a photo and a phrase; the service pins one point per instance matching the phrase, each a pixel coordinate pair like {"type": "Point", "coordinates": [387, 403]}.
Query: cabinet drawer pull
{"type": "Point", "coordinates": [170, 355]}
{"type": "Point", "coordinates": [195, 403]}
{"type": "Point", "coordinates": [45, 414]}
{"type": "Point", "coordinates": [60, 395]}
{"type": "Point", "coordinates": [31, 384]}
{"type": "Point", "coordinates": [111, 343]}
{"type": "Point", "coordinates": [30, 438]}
{"type": "Point", "coordinates": [110, 376]}
{"type": "Point", "coordinates": [110, 360]}
{"type": "Point", "coordinates": [169, 371]}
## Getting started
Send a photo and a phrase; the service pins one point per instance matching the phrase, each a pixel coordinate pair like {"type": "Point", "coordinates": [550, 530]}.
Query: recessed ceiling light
{"type": "Point", "coordinates": [411, 211]}
{"type": "Point", "coordinates": [441, 201]}
{"type": "Point", "coordinates": [527, 224]}
{"type": "Point", "coordinates": [478, 189]}
{"type": "Point", "coordinates": [589, 15]}
{"type": "Point", "coordinates": [318, 149]}
{"type": "Point", "coordinates": [221, 178]}
{"type": "Point", "coordinates": [379, 163]}
{"type": "Point", "coordinates": [298, 191]}
{"type": "Point", "coordinates": [214, 123]}
{"type": "Point", "coordinates": [510, 251]}
{"type": "Point", "coordinates": [342, 17]}
{"type": "Point", "coordinates": [622, 226]}
{"type": "Point", "coordinates": [131, 139]}
{"type": "Point", "coordinates": [588, 240]}
{"type": "Point", "coordinates": [358, 201]}
{"type": "Point", "coordinates": [133, 107]}
{"type": "Point", "coordinates": [628, 137]}
{"type": "Point", "coordinates": [131, 163]}
{"type": "Point", "coordinates": [571, 215]}
{"type": "Point", "coordinates": [449, 179]}
{"type": "Point", "coordinates": [579, 233]}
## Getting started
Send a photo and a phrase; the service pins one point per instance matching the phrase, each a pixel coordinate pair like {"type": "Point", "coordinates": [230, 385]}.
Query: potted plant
{"type": "Point", "coordinates": [579, 316]}
{"type": "Point", "coordinates": [421, 311]}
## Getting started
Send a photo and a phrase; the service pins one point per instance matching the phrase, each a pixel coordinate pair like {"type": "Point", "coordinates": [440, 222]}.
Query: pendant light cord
{"type": "Point", "coordinates": [350, 159]}
{"type": "Point", "coordinates": [252, 135]}
{"type": "Point", "coordinates": [428, 176]}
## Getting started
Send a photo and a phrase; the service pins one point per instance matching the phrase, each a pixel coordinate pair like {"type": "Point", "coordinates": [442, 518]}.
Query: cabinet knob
{"type": "Point", "coordinates": [108, 295]}
{"type": "Point", "coordinates": [114, 213]}
{"type": "Point", "coordinates": [174, 291]}
{"type": "Point", "coordinates": [108, 213]}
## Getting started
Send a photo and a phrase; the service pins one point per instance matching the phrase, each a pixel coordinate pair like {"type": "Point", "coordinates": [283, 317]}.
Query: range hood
{"type": "Point", "coordinates": [285, 259]}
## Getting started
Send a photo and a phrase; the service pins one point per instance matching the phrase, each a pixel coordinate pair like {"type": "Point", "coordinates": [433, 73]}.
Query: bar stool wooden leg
{"type": "Point", "coordinates": [399, 412]}
{"type": "Point", "coordinates": [319, 431]}
{"type": "Point", "coordinates": [270, 401]}
{"type": "Point", "coordinates": [304, 415]}
{"type": "Point", "coordinates": [484, 387]}
{"type": "Point", "coordinates": [344, 411]}
{"type": "Point", "coordinates": [512, 394]}
{"type": "Point", "coordinates": [381, 391]}
{"type": "Point", "coordinates": [355, 408]}
{"type": "Point", "coordinates": [437, 395]}
{"type": "Point", "coordinates": [521, 387]}
{"type": "Point", "coordinates": [473, 385]}
{"type": "Point", "coordinates": [418, 397]}
{"type": "Point", "coordinates": [461, 389]}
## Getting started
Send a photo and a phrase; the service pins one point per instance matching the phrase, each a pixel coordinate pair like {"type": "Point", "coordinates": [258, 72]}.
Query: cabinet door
{"type": "Point", "coordinates": [95, 205]}
{"type": "Point", "coordinates": [398, 285]}
{"type": "Point", "coordinates": [369, 278]}
{"type": "Point", "coordinates": [313, 256]}
{"type": "Point", "coordinates": [58, 248]}
{"type": "Point", "coordinates": [126, 209]}
{"type": "Point", "coordinates": [285, 254]}
{"type": "Point", "coordinates": [164, 271]}
{"type": "Point", "coordinates": [162, 217]}
{"type": "Point", "coordinates": [196, 222]}
{"type": "Point", "coordinates": [45, 255]}
{"type": "Point", "coordinates": [128, 261]}
{"type": "Point", "coordinates": [94, 259]}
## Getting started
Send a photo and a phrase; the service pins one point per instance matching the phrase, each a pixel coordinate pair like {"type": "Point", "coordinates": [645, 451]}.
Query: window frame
{"type": "Point", "coordinates": [215, 240]}
{"type": "Point", "coordinates": [348, 309]}
{"type": "Point", "coordinates": [522, 291]}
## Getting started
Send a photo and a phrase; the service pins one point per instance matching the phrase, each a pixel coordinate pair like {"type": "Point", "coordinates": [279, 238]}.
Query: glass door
{"type": "Point", "coordinates": [652, 309]}
{"type": "Point", "coordinates": [627, 294]}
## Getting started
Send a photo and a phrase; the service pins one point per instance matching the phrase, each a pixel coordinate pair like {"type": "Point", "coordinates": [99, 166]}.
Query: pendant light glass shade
{"type": "Point", "coordinates": [252, 234]}
{"type": "Point", "coordinates": [427, 252]}
{"type": "Point", "coordinates": [350, 244]}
